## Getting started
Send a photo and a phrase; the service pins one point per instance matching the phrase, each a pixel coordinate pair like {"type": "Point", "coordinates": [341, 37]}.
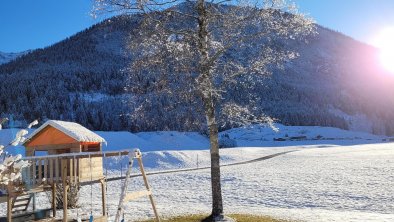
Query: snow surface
{"type": "Point", "coordinates": [252, 136]}
{"type": "Point", "coordinates": [339, 183]}
{"type": "Point", "coordinates": [346, 177]}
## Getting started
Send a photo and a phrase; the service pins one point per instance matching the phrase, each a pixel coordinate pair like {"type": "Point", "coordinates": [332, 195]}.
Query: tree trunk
{"type": "Point", "coordinates": [206, 88]}
{"type": "Point", "coordinates": [217, 203]}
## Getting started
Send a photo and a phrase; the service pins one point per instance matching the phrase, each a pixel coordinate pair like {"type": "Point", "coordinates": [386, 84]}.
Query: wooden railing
{"type": "Point", "coordinates": [53, 169]}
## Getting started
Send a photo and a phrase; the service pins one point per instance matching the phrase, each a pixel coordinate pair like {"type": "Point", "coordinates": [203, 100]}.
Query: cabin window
{"type": "Point", "coordinates": [91, 148]}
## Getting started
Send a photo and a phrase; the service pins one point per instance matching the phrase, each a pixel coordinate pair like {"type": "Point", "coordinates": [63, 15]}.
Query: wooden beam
{"type": "Point", "coordinates": [147, 187]}
{"type": "Point", "coordinates": [39, 165]}
{"type": "Point", "coordinates": [34, 202]}
{"type": "Point", "coordinates": [9, 208]}
{"type": "Point", "coordinates": [34, 168]}
{"type": "Point", "coordinates": [54, 200]}
{"type": "Point", "coordinates": [137, 194]}
{"type": "Point", "coordinates": [65, 188]}
{"type": "Point", "coordinates": [83, 155]}
{"type": "Point", "coordinates": [76, 171]}
{"type": "Point", "coordinates": [103, 196]}
{"type": "Point", "coordinates": [54, 147]}
{"type": "Point", "coordinates": [71, 168]}
{"type": "Point", "coordinates": [57, 170]}
{"type": "Point", "coordinates": [51, 171]}
{"type": "Point", "coordinates": [100, 219]}
{"type": "Point", "coordinates": [45, 162]}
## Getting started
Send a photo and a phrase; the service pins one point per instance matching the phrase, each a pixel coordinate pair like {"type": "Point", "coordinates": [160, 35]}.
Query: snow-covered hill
{"type": "Point", "coordinates": [251, 136]}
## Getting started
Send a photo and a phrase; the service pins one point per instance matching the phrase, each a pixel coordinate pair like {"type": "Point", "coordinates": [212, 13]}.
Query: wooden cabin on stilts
{"type": "Point", "coordinates": [50, 151]}
{"type": "Point", "coordinates": [63, 153]}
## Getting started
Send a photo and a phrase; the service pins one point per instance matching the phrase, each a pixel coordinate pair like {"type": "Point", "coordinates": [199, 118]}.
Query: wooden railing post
{"type": "Point", "coordinates": [34, 168]}
{"type": "Point", "coordinates": [65, 188]}
{"type": "Point", "coordinates": [39, 165]}
{"type": "Point", "coordinates": [51, 171]}
{"type": "Point", "coordinates": [54, 200]}
{"type": "Point", "coordinates": [103, 196]}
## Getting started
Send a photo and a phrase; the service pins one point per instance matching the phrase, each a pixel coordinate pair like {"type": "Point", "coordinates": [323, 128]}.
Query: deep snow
{"type": "Point", "coordinates": [332, 180]}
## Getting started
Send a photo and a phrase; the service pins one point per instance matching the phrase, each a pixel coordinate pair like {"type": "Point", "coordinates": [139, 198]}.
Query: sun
{"type": "Point", "coordinates": [385, 42]}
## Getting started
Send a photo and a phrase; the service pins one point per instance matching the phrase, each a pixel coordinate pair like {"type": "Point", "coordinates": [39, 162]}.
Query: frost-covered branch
{"type": "Point", "coordinates": [241, 116]}
{"type": "Point", "coordinates": [11, 166]}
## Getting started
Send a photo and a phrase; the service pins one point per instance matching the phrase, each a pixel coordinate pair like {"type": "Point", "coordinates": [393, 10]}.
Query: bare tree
{"type": "Point", "coordinates": [196, 43]}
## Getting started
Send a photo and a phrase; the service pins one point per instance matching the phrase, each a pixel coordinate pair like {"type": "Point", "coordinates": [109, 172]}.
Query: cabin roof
{"type": "Point", "coordinates": [74, 130]}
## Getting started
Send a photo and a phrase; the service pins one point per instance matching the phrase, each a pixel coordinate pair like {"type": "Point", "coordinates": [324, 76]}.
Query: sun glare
{"type": "Point", "coordinates": [385, 42]}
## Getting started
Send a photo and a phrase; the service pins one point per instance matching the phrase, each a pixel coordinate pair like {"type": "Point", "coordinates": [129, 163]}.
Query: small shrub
{"type": "Point", "coordinates": [72, 196]}
{"type": "Point", "coordinates": [226, 142]}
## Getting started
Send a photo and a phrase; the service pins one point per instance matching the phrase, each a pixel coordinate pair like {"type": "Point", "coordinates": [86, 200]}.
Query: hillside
{"type": "Point", "coordinates": [250, 136]}
{"type": "Point", "coordinates": [336, 81]}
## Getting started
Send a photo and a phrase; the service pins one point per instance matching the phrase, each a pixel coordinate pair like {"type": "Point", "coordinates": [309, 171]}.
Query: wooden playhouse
{"type": "Point", "coordinates": [66, 153]}
{"type": "Point", "coordinates": [60, 137]}
{"type": "Point", "coordinates": [59, 152]}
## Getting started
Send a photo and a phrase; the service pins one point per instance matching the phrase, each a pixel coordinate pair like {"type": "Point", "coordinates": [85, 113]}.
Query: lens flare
{"type": "Point", "coordinates": [385, 42]}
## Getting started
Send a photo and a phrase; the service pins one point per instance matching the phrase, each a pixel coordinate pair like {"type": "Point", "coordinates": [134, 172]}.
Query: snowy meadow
{"type": "Point", "coordinates": [347, 177]}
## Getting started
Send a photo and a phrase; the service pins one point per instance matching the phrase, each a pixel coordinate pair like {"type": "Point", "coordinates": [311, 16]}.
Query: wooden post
{"type": "Point", "coordinates": [71, 167]}
{"type": "Point", "coordinates": [65, 188]}
{"type": "Point", "coordinates": [147, 187]}
{"type": "Point", "coordinates": [34, 172]}
{"type": "Point", "coordinates": [103, 197]}
{"type": "Point", "coordinates": [54, 200]}
{"type": "Point", "coordinates": [51, 180]}
{"type": "Point", "coordinates": [9, 204]}
{"type": "Point", "coordinates": [124, 189]}
{"type": "Point", "coordinates": [34, 202]}
{"type": "Point", "coordinates": [39, 171]}
{"type": "Point", "coordinates": [57, 170]}
{"type": "Point", "coordinates": [45, 162]}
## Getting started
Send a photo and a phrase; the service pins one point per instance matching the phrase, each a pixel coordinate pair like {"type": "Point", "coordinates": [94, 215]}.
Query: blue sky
{"type": "Point", "coordinates": [30, 24]}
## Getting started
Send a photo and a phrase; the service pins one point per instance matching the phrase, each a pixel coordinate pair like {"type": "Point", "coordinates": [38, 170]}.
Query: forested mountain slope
{"type": "Point", "coordinates": [336, 81]}
{"type": "Point", "coordinates": [7, 57]}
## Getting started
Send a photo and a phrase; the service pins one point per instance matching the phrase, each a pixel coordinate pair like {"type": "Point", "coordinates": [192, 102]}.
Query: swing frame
{"type": "Point", "coordinates": [125, 197]}
{"type": "Point", "coordinates": [45, 172]}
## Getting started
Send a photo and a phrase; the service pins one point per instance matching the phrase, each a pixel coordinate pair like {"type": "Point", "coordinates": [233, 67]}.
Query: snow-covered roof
{"type": "Point", "coordinates": [74, 130]}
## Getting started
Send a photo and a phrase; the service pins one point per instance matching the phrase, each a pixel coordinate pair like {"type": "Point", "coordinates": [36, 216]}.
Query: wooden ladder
{"type": "Point", "coordinates": [21, 202]}
{"type": "Point", "coordinates": [125, 197]}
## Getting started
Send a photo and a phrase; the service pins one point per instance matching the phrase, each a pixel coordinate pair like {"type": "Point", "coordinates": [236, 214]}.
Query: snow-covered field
{"type": "Point", "coordinates": [349, 177]}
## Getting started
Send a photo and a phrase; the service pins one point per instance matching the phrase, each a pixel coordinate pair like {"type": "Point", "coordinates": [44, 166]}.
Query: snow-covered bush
{"type": "Point", "coordinates": [72, 195]}
{"type": "Point", "coordinates": [226, 142]}
{"type": "Point", "coordinates": [11, 166]}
